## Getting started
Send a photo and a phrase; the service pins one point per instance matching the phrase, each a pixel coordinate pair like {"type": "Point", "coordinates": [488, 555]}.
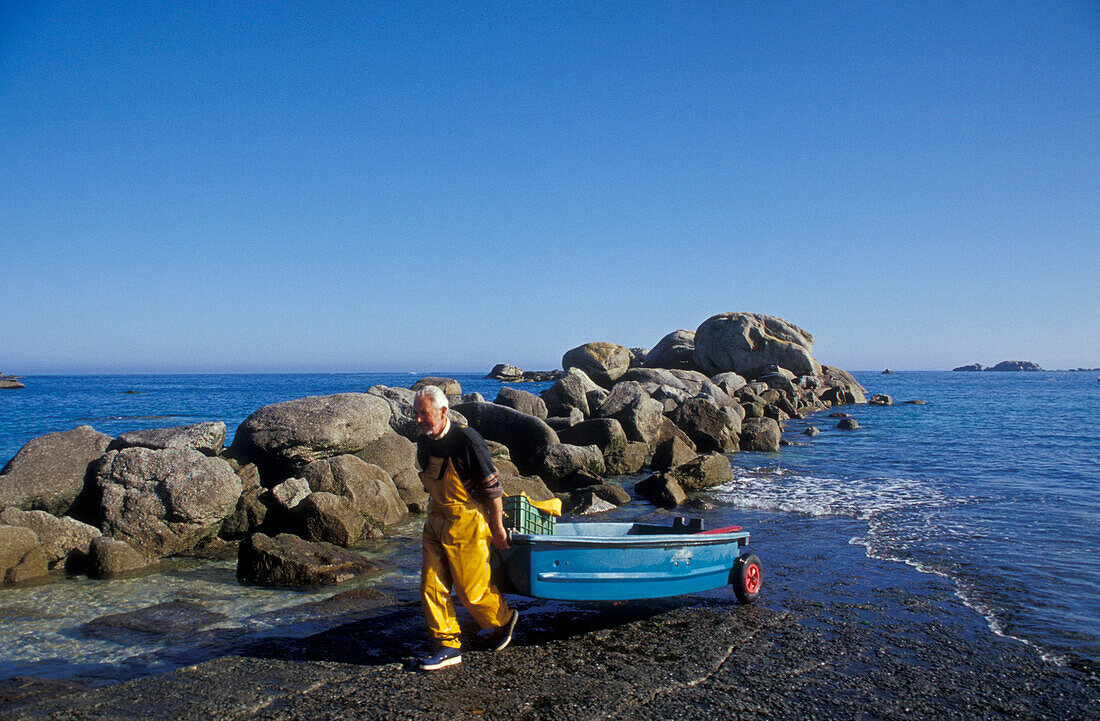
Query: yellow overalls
{"type": "Point", "coordinates": [456, 555]}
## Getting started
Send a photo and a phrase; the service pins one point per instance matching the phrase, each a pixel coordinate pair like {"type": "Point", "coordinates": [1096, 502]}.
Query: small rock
{"type": "Point", "coordinates": [290, 493]}
{"type": "Point", "coordinates": [58, 536]}
{"type": "Point", "coordinates": [812, 431]}
{"type": "Point", "coordinates": [449, 386]}
{"type": "Point", "coordinates": [111, 558]}
{"type": "Point", "coordinates": [170, 618]}
{"type": "Point", "coordinates": [760, 434]}
{"type": "Point", "coordinates": [848, 424]}
{"type": "Point", "coordinates": [287, 560]}
{"type": "Point", "coordinates": [330, 518]}
{"type": "Point", "coordinates": [881, 399]}
{"type": "Point", "coordinates": [589, 503]}
{"type": "Point", "coordinates": [21, 555]}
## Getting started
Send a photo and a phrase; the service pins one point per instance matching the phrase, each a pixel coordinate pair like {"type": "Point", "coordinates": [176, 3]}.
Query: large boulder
{"type": "Point", "coordinates": [671, 430]}
{"type": "Point", "coordinates": [58, 536]}
{"type": "Point", "coordinates": [449, 386]}
{"type": "Point", "coordinates": [605, 433]}
{"type": "Point", "coordinates": [747, 343]}
{"type": "Point", "coordinates": [47, 474]}
{"type": "Point", "coordinates": [21, 555]}
{"type": "Point", "coordinates": [627, 462]}
{"type": "Point", "coordinates": [251, 507]}
{"type": "Point", "coordinates": [402, 417]}
{"type": "Point", "coordinates": [110, 558]}
{"type": "Point", "coordinates": [396, 455]}
{"type": "Point", "coordinates": [522, 401]}
{"type": "Point", "coordinates": [292, 434]}
{"type": "Point", "coordinates": [164, 502]}
{"type": "Point", "coordinates": [287, 560]}
{"type": "Point", "coordinates": [841, 387]}
{"type": "Point", "coordinates": [704, 471]}
{"type": "Point", "coordinates": [533, 486]}
{"type": "Point", "coordinates": [330, 518]}
{"type": "Point", "coordinates": [558, 460]}
{"type": "Point", "coordinates": [675, 350]}
{"type": "Point", "coordinates": [729, 382]}
{"type": "Point", "coordinates": [613, 493]}
{"type": "Point", "coordinates": [638, 414]}
{"type": "Point", "coordinates": [661, 491]}
{"type": "Point", "coordinates": [670, 453]}
{"type": "Point", "coordinates": [525, 435]}
{"type": "Point", "coordinates": [569, 392]}
{"type": "Point", "coordinates": [206, 437]}
{"type": "Point", "coordinates": [505, 372]}
{"type": "Point", "coordinates": [689, 381]}
{"type": "Point", "coordinates": [712, 427]}
{"type": "Point", "coordinates": [602, 362]}
{"type": "Point", "coordinates": [370, 489]}
{"type": "Point", "coordinates": [760, 434]}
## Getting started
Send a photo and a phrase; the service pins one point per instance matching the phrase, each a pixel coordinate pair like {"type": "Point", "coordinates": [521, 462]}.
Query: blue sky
{"type": "Point", "coordinates": [297, 187]}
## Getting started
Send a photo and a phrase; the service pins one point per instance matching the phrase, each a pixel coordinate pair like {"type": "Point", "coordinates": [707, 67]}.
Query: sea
{"type": "Point", "coordinates": [990, 486]}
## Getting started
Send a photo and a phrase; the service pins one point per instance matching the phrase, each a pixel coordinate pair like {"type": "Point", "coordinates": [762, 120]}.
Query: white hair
{"type": "Point", "coordinates": [434, 395]}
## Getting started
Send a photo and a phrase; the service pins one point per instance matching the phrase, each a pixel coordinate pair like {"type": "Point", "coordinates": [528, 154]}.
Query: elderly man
{"type": "Point", "coordinates": [464, 516]}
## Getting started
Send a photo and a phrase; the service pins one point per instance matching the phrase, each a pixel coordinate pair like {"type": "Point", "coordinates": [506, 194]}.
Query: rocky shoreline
{"type": "Point", "coordinates": [305, 479]}
{"type": "Point", "coordinates": [852, 638]}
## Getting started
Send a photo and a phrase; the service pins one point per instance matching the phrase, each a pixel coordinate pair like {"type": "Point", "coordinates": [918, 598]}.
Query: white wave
{"type": "Point", "coordinates": [779, 489]}
{"type": "Point", "coordinates": [877, 501]}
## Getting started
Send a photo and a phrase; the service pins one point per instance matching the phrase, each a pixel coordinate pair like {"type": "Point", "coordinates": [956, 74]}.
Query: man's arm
{"type": "Point", "coordinates": [496, 523]}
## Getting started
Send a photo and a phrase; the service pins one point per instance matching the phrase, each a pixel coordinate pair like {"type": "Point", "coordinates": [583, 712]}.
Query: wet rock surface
{"type": "Point", "coordinates": [855, 646]}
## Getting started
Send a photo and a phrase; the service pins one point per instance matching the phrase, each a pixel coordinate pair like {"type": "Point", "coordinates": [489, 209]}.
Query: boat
{"type": "Point", "coordinates": [629, 561]}
{"type": "Point", "coordinates": [10, 382]}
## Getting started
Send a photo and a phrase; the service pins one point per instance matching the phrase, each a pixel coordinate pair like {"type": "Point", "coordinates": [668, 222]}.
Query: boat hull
{"type": "Point", "coordinates": [613, 562]}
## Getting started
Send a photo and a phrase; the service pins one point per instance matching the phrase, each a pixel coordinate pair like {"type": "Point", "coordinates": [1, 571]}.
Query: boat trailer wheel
{"type": "Point", "coordinates": [747, 577]}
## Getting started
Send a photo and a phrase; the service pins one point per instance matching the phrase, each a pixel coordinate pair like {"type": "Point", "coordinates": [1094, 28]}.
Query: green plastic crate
{"type": "Point", "coordinates": [522, 517]}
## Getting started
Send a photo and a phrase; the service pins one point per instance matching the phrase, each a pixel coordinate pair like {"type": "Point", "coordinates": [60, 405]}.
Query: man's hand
{"type": "Point", "coordinates": [496, 524]}
{"type": "Point", "coordinates": [500, 539]}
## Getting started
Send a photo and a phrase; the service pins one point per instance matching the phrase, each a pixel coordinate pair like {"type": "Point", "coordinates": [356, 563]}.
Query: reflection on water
{"type": "Point", "coordinates": [188, 611]}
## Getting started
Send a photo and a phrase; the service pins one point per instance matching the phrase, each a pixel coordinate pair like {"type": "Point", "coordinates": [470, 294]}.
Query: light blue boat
{"type": "Point", "coordinates": [628, 561]}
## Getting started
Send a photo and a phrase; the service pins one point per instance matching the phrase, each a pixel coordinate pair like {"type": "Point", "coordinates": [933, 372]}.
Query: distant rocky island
{"type": "Point", "coordinates": [1002, 366]}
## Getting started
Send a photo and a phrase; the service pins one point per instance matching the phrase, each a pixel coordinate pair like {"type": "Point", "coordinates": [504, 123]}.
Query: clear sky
{"type": "Point", "coordinates": [196, 186]}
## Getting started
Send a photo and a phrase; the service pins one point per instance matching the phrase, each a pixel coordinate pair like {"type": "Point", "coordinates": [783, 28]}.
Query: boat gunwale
{"type": "Point", "coordinates": [660, 540]}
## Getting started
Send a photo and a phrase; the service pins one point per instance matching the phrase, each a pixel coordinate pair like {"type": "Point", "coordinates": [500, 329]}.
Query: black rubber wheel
{"type": "Point", "coordinates": [748, 576]}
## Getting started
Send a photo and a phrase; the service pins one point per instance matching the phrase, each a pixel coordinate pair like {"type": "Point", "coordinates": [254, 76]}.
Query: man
{"type": "Point", "coordinates": [465, 516]}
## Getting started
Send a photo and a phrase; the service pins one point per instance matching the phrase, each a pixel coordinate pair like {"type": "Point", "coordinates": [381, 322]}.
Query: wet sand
{"type": "Point", "coordinates": [842, 636]}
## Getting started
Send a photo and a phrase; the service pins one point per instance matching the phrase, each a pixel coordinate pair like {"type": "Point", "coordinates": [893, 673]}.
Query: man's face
{"type": "Point", "coordinates": [429, 419]}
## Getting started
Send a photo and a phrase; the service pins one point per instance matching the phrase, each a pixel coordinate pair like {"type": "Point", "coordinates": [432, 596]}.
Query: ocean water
{"type": "Point", "coordinates": [992, 486]}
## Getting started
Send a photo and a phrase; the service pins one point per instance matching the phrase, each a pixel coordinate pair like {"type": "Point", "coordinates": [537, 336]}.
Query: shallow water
{"type": "Point", "coordinates": [992, 487]}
